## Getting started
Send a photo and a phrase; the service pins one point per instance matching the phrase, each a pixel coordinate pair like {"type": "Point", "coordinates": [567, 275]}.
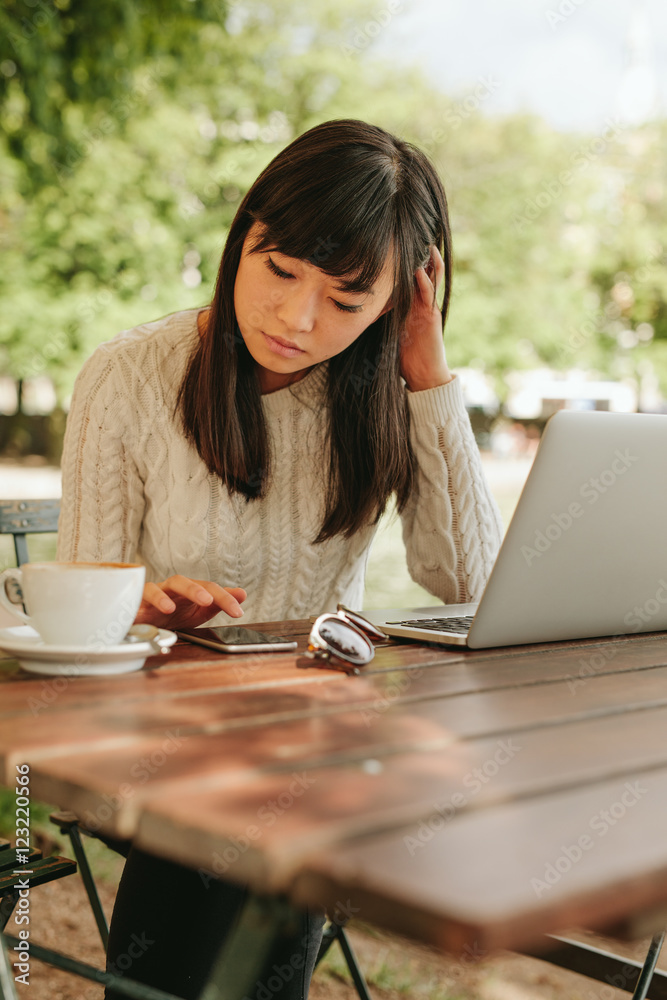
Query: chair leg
{"type": "Point", "coordinates": [119, 983]}
{"type": "Point", "coordinates": [328, 937]}
{"type": "Point", "coordinates": [336, 932]}
{"type": "Point", "coordinates": [353, 966]}
{"type": "Point", "coordinates": [91, 890]}
{"type": "Point", "coordinates": [7, 904]}
{"type": "Point", "coordinates": [7, 987]}
{"type": "Point", "coordinates": [646, 975]}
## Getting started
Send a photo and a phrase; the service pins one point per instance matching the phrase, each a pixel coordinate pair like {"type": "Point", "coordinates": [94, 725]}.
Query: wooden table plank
{"type": "Point", "coordinates": [367, 760]}
{"type": "Point", "coordinates": [134, 774]}
{"type": "Point", "coordinates": [432, 784]}
{"type": "Point", "coordinates": [486, 713]}
{"type": "Point", "coordinates": [192, 670]}
{"type": "Point", "coordinates": [502, 877]}
{"type": "Point", "coordinates": [502, 709]}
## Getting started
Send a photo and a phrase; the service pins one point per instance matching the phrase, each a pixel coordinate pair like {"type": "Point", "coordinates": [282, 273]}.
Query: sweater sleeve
{"type": "Point", "coordinates": [102, 500]}
{"type": "Point", "coordinates": [452, 528]}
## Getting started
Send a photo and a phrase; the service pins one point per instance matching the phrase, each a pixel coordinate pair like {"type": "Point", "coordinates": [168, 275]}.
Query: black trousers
{"type": "Point", "coordinates": [169, 924]}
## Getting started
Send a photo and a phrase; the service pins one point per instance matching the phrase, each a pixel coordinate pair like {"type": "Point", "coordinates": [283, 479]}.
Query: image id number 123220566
{"type": "Point", "coordinates": [21, 962]}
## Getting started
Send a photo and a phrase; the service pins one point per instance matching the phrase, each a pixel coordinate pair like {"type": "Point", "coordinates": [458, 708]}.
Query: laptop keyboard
{"type": "Point", "coordinates": [460, 626]}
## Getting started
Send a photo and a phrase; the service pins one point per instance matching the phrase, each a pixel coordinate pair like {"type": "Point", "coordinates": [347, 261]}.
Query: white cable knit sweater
{"type": "Point", "coordinates": [134, 490]}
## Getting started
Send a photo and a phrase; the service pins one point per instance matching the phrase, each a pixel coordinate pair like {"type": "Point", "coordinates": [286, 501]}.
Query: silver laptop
{"type": "Point", "coordinates": [586, 551]}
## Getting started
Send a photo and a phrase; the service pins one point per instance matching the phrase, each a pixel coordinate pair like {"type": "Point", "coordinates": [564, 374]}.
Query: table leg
{"type": "Point", "coordinates": [89, 885]}
{"type": "Point", "coordinates": [241, 959]}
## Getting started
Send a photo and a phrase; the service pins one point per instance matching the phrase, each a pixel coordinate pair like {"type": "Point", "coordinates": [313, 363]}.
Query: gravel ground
{"type": "Point", "coordinates": [395, 968]}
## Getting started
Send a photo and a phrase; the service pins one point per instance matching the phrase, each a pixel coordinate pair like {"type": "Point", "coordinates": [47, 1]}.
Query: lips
{"type": "Point", "coordinates": [285, 348]}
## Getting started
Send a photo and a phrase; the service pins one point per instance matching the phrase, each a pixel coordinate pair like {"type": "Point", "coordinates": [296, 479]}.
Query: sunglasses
{"type": "Point", "coordinates": [342, 640]}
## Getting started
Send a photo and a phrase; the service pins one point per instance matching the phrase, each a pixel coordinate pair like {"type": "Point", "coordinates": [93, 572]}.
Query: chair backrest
{"type": "Point", "coordinates": [27, 517]}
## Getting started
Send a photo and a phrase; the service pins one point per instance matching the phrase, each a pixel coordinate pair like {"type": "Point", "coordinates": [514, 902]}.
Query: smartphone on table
{"type": "Point", "coordinates": [236, 639]}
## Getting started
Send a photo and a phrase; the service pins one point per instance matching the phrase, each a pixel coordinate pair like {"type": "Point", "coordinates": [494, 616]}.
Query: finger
{"type": "Point", "coordinates": [156, 598]}
{"type": "Point", "coordinates": [237, 592]}
{"type": "Point", "coordinates": [194, 591]}
{"type": "Point", "coordinates": [438, 266]}
{"type": "Point", "coordinates": [224, 597]}
{"type": "Point", "coordinates": [424, 286]}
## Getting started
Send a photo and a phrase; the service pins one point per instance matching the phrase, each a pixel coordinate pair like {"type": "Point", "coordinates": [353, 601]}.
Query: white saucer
{"type": "Point", "coordinates": [39, 657]}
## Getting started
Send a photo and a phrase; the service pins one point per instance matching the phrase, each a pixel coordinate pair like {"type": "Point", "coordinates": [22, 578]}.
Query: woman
{"type": "Point", "coordinates": [258, 441]}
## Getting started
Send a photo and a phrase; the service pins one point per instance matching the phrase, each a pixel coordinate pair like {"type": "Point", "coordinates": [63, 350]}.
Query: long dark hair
{"type": "Point", "coordinates": [345, 196]}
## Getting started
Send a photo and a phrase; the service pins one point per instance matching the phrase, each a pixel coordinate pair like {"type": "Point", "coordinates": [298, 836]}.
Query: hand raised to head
{"type": "Point", "coordinates": [423, 362]}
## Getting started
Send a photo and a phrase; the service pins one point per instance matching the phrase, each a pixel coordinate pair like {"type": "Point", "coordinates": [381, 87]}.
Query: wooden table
{"type": "Point", "coordinates": [472, 800]}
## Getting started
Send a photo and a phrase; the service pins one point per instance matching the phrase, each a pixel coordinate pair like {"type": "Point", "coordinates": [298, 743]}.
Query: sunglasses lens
{"type": "Point", "coordinates": [343, 641]}
{"type": "Point", "coordinates": [362, 623]}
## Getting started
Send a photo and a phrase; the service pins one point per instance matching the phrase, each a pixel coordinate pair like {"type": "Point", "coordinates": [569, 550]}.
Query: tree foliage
{"type": "Point", "coordinates": [131, 131]}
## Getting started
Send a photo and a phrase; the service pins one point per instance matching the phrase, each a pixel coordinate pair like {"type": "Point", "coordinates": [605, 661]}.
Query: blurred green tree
{"type": "Point", "coordinates": [115, 196]}
{"type": "Point", "coordinates": [130, 133]}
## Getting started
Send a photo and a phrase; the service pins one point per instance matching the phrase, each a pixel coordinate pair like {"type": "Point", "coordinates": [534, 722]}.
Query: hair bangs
{"type": "Point", "coordinates": [341, 222]}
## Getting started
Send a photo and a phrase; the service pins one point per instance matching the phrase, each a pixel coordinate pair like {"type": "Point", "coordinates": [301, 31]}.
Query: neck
{"type": "Point", "coordinates": [273, 381]}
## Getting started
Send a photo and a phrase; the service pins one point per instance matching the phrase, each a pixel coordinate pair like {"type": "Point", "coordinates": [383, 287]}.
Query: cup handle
{"type": "Point", "coordinates": [11, 595]}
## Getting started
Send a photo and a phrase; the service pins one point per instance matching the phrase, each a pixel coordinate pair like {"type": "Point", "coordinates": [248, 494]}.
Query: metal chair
{"type": "Point", "coordinates": [335, 931]}
{"type": "Point", "coordinates": [32, 870]}
{"type": "Point", "coordinates": [27, 517]}
{"type": "Point", "coordinates": [20, 518]}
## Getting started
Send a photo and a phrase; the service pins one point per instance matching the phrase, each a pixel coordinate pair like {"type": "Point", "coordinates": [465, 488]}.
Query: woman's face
{"type": "Point", "coordinates": [293, 316]}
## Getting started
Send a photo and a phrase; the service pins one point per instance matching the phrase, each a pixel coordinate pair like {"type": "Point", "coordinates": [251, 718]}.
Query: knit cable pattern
{"type": "Point", "coordinates": [134, 489]}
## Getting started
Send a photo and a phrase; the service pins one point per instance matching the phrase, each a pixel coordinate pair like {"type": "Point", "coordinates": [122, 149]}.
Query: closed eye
{"type": "Point", "coordinates": [346, 309]}
{"type": "Point", "coordinates": [272, 266]}
{"type": "Point", "coordinates": [285, 275]}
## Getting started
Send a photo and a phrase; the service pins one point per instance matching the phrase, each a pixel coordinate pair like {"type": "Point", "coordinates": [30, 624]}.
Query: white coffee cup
{"type": "Point", "coordinates": [75, 603]}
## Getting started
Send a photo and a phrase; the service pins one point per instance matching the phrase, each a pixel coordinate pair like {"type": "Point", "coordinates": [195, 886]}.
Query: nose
{"type": "Point", "coordinates": [298, 309]}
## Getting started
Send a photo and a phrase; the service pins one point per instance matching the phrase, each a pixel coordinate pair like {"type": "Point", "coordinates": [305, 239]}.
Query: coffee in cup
{"type": "Point", "coordinates": [75, 603]}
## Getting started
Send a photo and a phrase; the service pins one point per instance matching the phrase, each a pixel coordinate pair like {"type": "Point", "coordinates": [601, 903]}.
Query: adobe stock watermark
{"type": "Point", "coordinates": [469, 956]}
{"type": "Point", "coordinates": [644, 614]}
{"type": "Point", "coordinates": [41, 359]}
{"type": "Point", "coordinates": [123, 962]}
{"type": "Point", "coordinates": [591, 665]}
{"type": "Point", "coordinates": [657, 258]}
{"type": "Point", "coordinates": [553, 188]}
{"type": "Point", "coordinates": [462, 109]}
{"type": "Point", "coordinates": [29, 26]}
{"type": "Point", "coordinates": [393, 691]}
{"type": "Point", "coordinates": [278, 975]}
{"type": "Point", "coordinates": [364, 35]}
{"type": "Point", "coordinates": [558, 15]}
{"type": "Point", "coordinates": [625, 980]}
{"type": "Point", "coordinates": [267, 815]}
{"type": "Point", "coordinates": [277, 130]}
{"type": "Point", "coordinates": [473, 782]}
{"type": "Point", "coordinates": [636, 619]}
{"type": "Point", "coordinates": [468, 105]}
{"type": "Point", "coordinates": [121, 109]}
{"type": "Point", "coordinates": [592, 322]}
{"type": "Point", "coordinates": [590, 491]}
{"type": "Point", "coordinates": [98, 641]}
{"type": "Point", "coordinates": [140, 771]}
{"type": "Point", "coordinates": [600, 824]}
